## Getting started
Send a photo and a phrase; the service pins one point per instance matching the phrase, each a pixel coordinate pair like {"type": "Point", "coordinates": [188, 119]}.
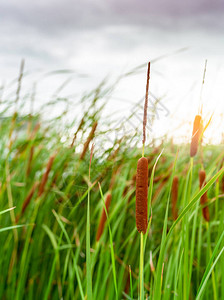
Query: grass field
{"type": "Point", "coordinates": [52, 199]}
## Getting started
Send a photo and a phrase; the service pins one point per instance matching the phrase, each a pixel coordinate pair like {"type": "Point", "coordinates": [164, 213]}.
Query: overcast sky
{"type": "Point", "coordinates": [102, 38]}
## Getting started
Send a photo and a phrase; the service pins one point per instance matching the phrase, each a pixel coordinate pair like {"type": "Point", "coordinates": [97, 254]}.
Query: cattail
{"type": "Point", "coordinates": [46, 174]}
{"type": "Point", "coordinates": [90, 137]}
{"type": "Point", "coordinates": [142, 195]}
{"type": "Point", "coordinates": [103, 217]}
{"type": "Point", "coordinates": [197, 131]}
{"type": "Point", "coordinates": [174, 195]}
{"type": "Point", "coordinates": [204, 198]}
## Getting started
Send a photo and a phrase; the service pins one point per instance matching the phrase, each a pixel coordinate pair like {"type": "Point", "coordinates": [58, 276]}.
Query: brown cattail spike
{"type": "Point", "coordinates": [175, 197]}
{"type": "Point", "coordinates": [142, 195]}
{"type": "Point", "coordinates": [197, 131]}
{"type": "Point", "coordinates": [103, 217]}
{"type": "Point", "coordinates": [204, 198]}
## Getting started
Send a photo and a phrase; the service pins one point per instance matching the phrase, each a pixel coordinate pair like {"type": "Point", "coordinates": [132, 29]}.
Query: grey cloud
{"type": "Point", "coordinates": [52, 17]}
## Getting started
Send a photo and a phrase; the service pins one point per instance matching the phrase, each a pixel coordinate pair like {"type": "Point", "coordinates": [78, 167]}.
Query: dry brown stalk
{"type": "Point", "coordinates": [79, 128]}
{"type": "Point", "coordinates": [204, 198]}
{"type": "Point", "coordinates": [45, 175]}
{"type": "Point", "coordinates": [90, 137]}
{"type": "Point", "coordinates": [27, 200]}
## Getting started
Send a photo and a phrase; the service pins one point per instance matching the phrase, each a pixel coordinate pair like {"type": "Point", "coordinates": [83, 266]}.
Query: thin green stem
{"type": "Point", "coordinates": [143, 150]}
{"type": "Point", "coordinates": [141, 268]}
{"type": "Point", "coordinates": [88, 257]}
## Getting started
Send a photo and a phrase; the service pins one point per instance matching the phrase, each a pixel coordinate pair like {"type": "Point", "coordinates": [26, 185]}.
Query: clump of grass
{"type": "Point", "coordinates": [54, 257]}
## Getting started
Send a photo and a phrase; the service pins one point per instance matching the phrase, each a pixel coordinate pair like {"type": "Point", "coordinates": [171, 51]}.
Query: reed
{"type": "Point", "coordinates": [27, 200]}
{"type": "Point", "coordinates": [28, 170]}
{"type": "Point", "coordinates": [89, 139]}
{"type": "Point", "coordinates": [103, 217]}
{"type": "Point", "coordinates": [46, 174]}
{"type": "Point", "coordinates": [204, 198]}
{"type": "Point", "coordinates": [196, 134]}
{"type": "Point", "coordinates": [174, 195]}
{"type": "Point", "coordinates": [79, 128]}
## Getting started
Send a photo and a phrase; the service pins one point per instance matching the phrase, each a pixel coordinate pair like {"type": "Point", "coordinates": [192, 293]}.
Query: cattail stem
{"type": "Point", "coordinates": [143, 150]}
{"type": "Point", "coordinates": [146, 106]}
{"type": "Point", "coordinates": [88, 256]}
{"type": "Point", "coordinates": [141, 268]}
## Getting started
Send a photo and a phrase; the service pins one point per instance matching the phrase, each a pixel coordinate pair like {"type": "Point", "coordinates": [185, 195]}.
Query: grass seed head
{"type": "Point", "coordinates": [89, 139]}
